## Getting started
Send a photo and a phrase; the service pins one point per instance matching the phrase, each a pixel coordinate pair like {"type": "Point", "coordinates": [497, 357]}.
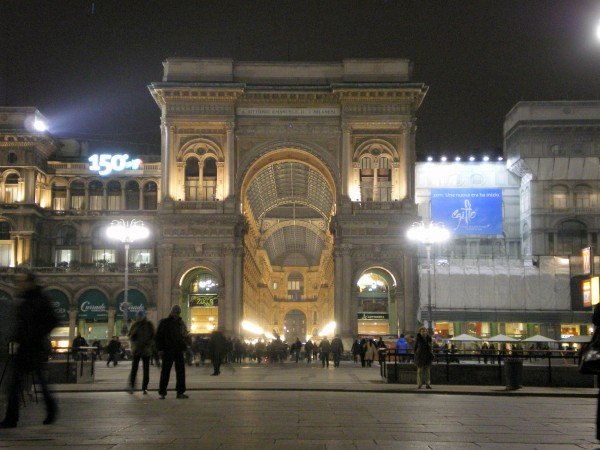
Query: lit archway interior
{"type": "Point", "coordinates": [288, 262]}
{"type": "Point", "coordinates": [376, 313]}
{"type": "Point", "coordinates": [200, 300]}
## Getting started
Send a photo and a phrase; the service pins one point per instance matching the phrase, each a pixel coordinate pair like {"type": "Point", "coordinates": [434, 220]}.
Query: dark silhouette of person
{"type": "Point", "coordinates": [113, 349]}
{"type": "Point", "coordinates": [79, 342]}
{"type": "Point", "coordinates": [171, 342]}
{"type": "Point", "coordinates": [217, 348]}
{"type": "Point", "coordinates": [35, 319]}
{"type": "Point", "coordinates": [308, 349]}
{"type": "Point", "coordinates": [325, 348]}
{"type": "Point", "coordinates": [142, 341]}
{"type": "Point", "coordinates": [337, 348]}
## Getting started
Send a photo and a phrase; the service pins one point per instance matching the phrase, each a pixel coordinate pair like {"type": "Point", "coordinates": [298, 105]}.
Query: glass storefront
{"type": "Point", "coordinates": [92, 317]}
{"type": "Point", "coordinates": [373, 303]}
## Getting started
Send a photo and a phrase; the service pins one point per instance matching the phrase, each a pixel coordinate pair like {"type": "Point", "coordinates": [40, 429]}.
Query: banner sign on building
{"type": "Point", "coordinates": [468, 211]}
{"type": "Point", "coordinates": [587, 260]}
{"type": "Point", "coordinates": [373, 316]}
{"type": "Point", "coordinates": [136, 301]}
{"type": "Point", "coordinates": [93, 306]}
{"type": "Point", "coordinates": [203, 300]}
{"type": "Point", "coordinates": [60, 303]}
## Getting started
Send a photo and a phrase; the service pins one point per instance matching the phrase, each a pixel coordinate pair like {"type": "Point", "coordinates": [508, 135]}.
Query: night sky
{"type": "Point", "coordinates": [86, 64]}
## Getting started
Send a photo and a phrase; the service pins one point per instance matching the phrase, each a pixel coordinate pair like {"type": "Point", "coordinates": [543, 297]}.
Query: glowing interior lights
{"type": "Point", "coordinates": [500, 158]}
{"type": "Point", "coordinates": [328, 330]}
{"type": "Point", "coordinates": [486, 158]}
{"type": "Point", "coordinates": [429, 158]}
{"type": "Point", "coordinates": [457, 159]}
{"type": "Point", "coordinates": [471, 158]}
{"type": "Point", "coordinates": [252, 327]}
{"type": "Point", "coordinates": [206, 285]}
{"type": "Point", "coordinates": [443, 159]}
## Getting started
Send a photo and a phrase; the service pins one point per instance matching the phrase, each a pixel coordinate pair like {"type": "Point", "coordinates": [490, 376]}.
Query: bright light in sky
{"type": "Point", "coordinates": [598, 31]}
{"type": "Point", "coordinates": [39, 125]}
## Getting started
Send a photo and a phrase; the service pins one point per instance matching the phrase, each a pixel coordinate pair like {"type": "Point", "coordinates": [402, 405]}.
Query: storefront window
{"type": "Point", "coordinates": [201, 301]}
{"type": "Point", "coordinates": [140, 257]}
{"type": "Point", "coordinates": [568, 330]}
{"type": "Point", "coordinates": [106, 255]}
{"type": "Point", "coordinates": [477, 328]}
{"type": "Point", "coordinates": [515, 329]}
{"type": "Point", "coordinates": [444, 329]}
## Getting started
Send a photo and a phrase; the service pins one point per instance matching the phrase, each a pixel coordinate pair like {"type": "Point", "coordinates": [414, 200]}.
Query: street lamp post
{"type": "Point", "coordinates": [127, 232]}
{"type": "Point", "coordinates": [428, 234]}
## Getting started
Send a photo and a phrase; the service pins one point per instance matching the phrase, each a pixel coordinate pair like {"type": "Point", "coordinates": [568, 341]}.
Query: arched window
{"type": "Point", "coordinates": [583, 196]}
{"type": "Point", "coordinates": [150, 196]}
{"type": "Point", "coordinates": [560, 196]}
{"type": "Point", "coordinates": [113, 192]}
{"type": "Point", "coordinates": [132, 196]}
{"type": "Point", "coordinates": [571, 237]}
{"type": "Point", "coordinates": [384, 180]}
{"type": "Point", "coordinates": [66, 245]}
{"type": "Point", "coordinates": [295, 286]}
{"type": "Point", "coordinates": [6, 247]}
{"type": "Point", "coordinates": [77, 195]}
{"type": "Point", "coordinates": [11, 188]}
{"type": "Point", "coordinates": [96, 189]}
{"type": "Point", "coordinates": [192, 178]}
{"type": "Point", "coordinates": [366, 179]}
{"type": "Point", "coordinates": [59, 197]}
{"type": "Point", "coordinates": [209, 179]}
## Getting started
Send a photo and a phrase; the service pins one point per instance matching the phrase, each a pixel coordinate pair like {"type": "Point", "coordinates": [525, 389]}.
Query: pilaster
{"type": "Point", "coordinates": [230, 160]}
{"type": "Point", "coordinates": [163, 299]}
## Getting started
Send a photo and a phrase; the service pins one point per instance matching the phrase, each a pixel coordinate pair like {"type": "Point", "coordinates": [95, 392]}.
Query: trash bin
{"type": "Point", "coordinates": [513, 373]}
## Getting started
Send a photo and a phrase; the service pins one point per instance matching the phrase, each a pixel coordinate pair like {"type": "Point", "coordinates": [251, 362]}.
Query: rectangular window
{"type": "Point", "coordinates": [114, 202]}
{"type": "Point", "coordinates": [5, 254]}
{"type": "Point", "coordinates": [384, 191]}
{"type": "Point", "coordinates": [64, 256]}
{"type": "Point", "coordinates": [59, 203]}
{"type": "Point", "coordinates": [140, 257]}
{"type": "Point", "coordinates": [95, 202]}
{"type": "Point", "coordinates": [366, 189]}
{"type": "Point", "coordinates": [10, 193]}
{"type": "Point", "coordinates": [191, 190]}
{"type": "Point", "coordinates": [108, 255]}
{"type": "Point", "coordinates": [559, 201]}
{"type": "Point", "coordinates": [294, 285]}
{"type": "Point", "coordinates": [77, 202]}
{"type": "Point", "coordinates": [209, 189]}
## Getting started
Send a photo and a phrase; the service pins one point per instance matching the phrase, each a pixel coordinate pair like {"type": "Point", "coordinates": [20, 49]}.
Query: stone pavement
{"type": "Point", "coordinates": [222, 415]}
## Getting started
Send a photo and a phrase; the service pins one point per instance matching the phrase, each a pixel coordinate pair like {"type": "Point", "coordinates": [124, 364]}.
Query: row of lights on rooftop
{"type": "Point", "coordinates": [470, 159]}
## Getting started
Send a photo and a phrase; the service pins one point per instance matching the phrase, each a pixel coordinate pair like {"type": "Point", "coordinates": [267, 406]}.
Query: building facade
{"type": "Point", "coordinates": [281, 188]}
{"type": "Point", "coordinates": [282, 196]}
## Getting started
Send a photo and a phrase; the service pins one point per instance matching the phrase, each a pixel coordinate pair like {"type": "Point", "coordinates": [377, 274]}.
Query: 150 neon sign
{"type": "Point", "coordinates": [104, 164]}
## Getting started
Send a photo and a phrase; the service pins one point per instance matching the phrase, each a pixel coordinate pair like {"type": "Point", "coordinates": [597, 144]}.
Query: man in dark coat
{"type": "Point", "coordinates": [308, 349]}
{"type": "Point", "coordinates": [325, 348]}
{"type": "Point", "coordinates": [79, 342]}
{"type": "Point", "coordinates": [217, 349]}
{"type": "Point", "coordinates": [35, 319]}
{"type": "Point", "coordinates": [142, 343]}
{"type": "Point", "coordinates": [113, 349]}
{"type": "Point", "coordinates": [337, 348]}
{"type": "Point", "coordinates": [171, 342]}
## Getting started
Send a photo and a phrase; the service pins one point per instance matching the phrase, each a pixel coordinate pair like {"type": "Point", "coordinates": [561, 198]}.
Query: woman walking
{"type": "Point", "coordinates": [370, 352]}
{"type": "Point", "coordinates": [423, 358]}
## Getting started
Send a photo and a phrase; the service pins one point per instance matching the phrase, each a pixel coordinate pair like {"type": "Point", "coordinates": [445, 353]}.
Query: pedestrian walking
{"type": "Point", "coordinates": [370, 352]}
{"type": "Point", "coordinates": [423, 358]}
{"type": "Point", "coordinates": [142, 337]}
{"type": "Point", "coordinates": [484, 352]}
{"type": "Point", "coordinates": [296, 348]}
{"type": "Point", "coordinates": [381, 350]}
{"type": "Point", "coordinates": [217, 349]}
{"type": "Point", "coordinates": [402, 348]}
{"type": "Point", "coordinates": [98, 349]}
{"type": "Point", "coordinates": [78, 342]}
{"type": "Point", "coordinates": [171, 341]}
{"type": "Point", "coordinates": [308, 349]}
{"type": "Point", "coordinates": [325, 348]}
{"type": "Point", "coordinates": [337, 348]}
{"type": "Point", "coordinates": [355, 350]}
{"type": "Point", "coordinates": [363, 349]}
{"type": "Point", "coordinates": [35, 319]}
{"type": "Point", "coordinates": [113, 349]}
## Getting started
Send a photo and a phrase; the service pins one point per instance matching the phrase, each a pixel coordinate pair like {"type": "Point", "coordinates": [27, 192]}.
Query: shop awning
{"type": "Point", "coordinates": [137, 302]}
{"type": "Point", "coordinates": [501, 338]}
{"type": "Point", "coordinates": [93, 306]}
{"type": "Point", "coordinates": [538, 338]}
{"type": "Point", "coordinates": [465, 338]}
{"type": "Point", "coordinates": [60, 303]}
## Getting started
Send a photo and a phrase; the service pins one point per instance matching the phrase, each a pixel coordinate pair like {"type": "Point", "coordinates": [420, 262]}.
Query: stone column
{"type": "Point", "coordinates": [163, 297]}
{"type": "Point", "coordinates": [200, 188]}
{"type": "Point", "coordinates": [346, 160]}
{"type": "Point", "coordinates": [338, 295]}
{"type": "Point", "coordinates": [346, 328]}
{"type": "Point", "coordinates": [411, 293]}
{"type": "Point", "coordinates": [166, 138]}
{"type": "Point", "coordinates": [72, 324]}
{"type": "Point", "coordinates": [410, 163]}
{"type": "Point", "coordinates": [376, 196]}
{"type": "Point", "coordinates": [29, 194]}
{"type": "Point", "coordinates": [104, 198]}
{"type": "Point", "coordinates": [141, 198]}
{"type": "Point", "coordinates": [230, 161]}
{"type": "Point", "coordinates": [86, 201]}
{"type": "Point", "coordinates": [226, 306]}
{"type": "Point", "coordinates": [111, 322]}
{"type": "Point", "coordinates": [238, 289]}
{"type": "Point", "coordinates": [26, 255]}
{"type": "Point", "coordinates": [402, 169]}
{"type": "Point", "coordinates": [355, 181]}
{"type": "Point", "coordinates": [220, 182]}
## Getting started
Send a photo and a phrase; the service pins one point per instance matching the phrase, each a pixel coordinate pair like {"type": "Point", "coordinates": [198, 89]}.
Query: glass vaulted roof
{"type": "Point", "coordinates": [291, 191]}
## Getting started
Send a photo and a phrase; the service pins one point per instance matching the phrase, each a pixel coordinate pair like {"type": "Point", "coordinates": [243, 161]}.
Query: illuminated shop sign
{"type": "Point", "coordinates": [373, 316]}
{"type": "Point", "coordinates": [105, 164]}
{"type": "Point", "coordinates": [468, 211]}
{"type": "Point", "coordinates": [591, 291]}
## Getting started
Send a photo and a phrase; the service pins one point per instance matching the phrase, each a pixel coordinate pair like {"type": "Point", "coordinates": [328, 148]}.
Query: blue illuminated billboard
{"type": "Point", "coordinates": [468, 211]}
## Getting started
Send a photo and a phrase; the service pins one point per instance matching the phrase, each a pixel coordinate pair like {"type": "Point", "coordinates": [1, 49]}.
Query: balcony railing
{"type": "Point", "coordinates": [93, 268]}
{"type": "Point", "coordinates": [301, 298]}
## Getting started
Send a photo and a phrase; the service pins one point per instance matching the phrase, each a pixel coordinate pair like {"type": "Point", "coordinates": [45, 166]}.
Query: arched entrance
{"type": "Point", "coordinates": [376, 312]}
{"type": "Point", "coordinates": [200, 300]}
{"type": "Point", "coordinates": [288, 198]}
{"type": "Point", "coordinates": [294, 326]}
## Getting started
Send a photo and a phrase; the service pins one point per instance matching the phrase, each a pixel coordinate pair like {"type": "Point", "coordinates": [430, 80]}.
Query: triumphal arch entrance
{"type": "Point", "coordinates": [286, 193]}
